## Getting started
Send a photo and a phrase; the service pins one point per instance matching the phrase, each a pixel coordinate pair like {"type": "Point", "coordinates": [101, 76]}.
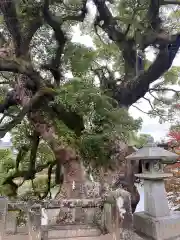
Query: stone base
{"type": "Point", "coordinates": [162, 228]}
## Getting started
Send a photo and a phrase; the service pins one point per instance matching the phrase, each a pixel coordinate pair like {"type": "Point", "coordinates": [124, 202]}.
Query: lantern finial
{"type": "Point", "coordinates": [150, 142]}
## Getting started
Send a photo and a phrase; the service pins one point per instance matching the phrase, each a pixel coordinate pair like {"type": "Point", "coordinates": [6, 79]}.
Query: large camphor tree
{"type": "Point", "coordinates": [80, 122]}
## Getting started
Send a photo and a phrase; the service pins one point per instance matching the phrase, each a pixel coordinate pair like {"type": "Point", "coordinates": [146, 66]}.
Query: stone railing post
{"type": "Point", "coordinates": [34, 222]}
{"type": "Point", "coordinates": [117, 214]}
{"type": "Point", "coordinates": [44, 224]}
{"type": "Point", "coordinates": [3, 213]}
{"type": "Point", "coordinates": [11, 222]}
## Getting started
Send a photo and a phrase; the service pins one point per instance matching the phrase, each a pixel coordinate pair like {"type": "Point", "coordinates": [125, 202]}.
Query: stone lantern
{"type": "Point", "coordinates": [157, 221]}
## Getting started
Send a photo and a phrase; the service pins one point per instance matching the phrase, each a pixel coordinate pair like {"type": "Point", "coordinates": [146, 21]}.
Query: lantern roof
{"type": "Point", "coordinates": [151, 152]}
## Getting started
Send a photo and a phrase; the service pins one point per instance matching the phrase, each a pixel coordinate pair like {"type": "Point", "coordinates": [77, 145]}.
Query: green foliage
{"type": "Point", "coordinates": [6, 161]}
{"type": "Point", "coordinates": [175, 127]}
{"type": "Point", "coordinates": [95, 149]}
{"type": "Point", "coordinates": [40, 184]}
{"type": "Point", "coordinates": [21, 138]}
{"type": "Point", "coordinates": [78, 96]}
{"type": "Point", "coordinates": [79, 58]}
{"type": "Point", "coordinates": [65, 134]}
{"type": "Point", "coordinates": [88, 101]}
{"type": "Point", "coordinates": [172, 76]}
{"type": "Point", "coordinates": [104, 120]}
{"type": "Point", "coordinates": [136, 16]}
{"type": "Point", "coordinates": [139, 140]}
{"type": "Point", "coordinates": [7, 164]}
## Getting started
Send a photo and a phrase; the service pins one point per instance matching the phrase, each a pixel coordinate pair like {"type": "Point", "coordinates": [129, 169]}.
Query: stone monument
{"type": "Point", "coordinates": [157, 221]}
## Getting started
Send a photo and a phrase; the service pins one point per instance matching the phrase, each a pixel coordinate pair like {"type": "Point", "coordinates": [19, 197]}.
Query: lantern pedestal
{"type": "Point", "coordinates": [158, 228]}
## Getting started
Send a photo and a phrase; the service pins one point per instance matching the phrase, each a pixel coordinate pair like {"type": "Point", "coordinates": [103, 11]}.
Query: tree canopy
{"type": "Point", "coordinates": [65, 102]}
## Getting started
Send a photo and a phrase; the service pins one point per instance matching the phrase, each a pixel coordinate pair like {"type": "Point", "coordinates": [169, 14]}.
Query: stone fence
{"type": "Point", "coordinates": [68, 218]}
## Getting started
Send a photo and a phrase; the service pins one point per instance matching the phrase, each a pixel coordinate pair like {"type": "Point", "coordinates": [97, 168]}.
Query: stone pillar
{"type": "Point", "coordinates": [34, 222]}
{"type": "Point", "coordinates": [155, 199]}
{"type": "Point", "coordinates": [3, 212]}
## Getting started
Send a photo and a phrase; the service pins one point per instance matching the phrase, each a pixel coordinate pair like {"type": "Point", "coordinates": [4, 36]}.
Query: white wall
{"type": "Point", "coordinates": [140, 206]}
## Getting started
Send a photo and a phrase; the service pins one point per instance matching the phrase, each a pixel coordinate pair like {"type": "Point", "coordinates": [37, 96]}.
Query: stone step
{"type": "Point", "coordinates": [72, 231]}
{"type": "Point", "coordinates": [25, 237]}
{"type": "Point", "coordinates": [102, 237]}
{"type": "Point", "coordinates": [69, 226]}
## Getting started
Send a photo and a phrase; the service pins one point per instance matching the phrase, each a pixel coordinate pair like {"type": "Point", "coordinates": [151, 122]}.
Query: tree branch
{"type": "Point", "coordinates": [8, 126]}
{"type": "Point", "coordinates": [2, 118]}
{"type": "Point", "coordinates": [48, 181]}
{"type": "Point", "coordinates": [10, 16]}
{"type": "Point", "coordinates": [153, 15]}
{"type": "Point", "coordinates": [21, 154]}
{"type": "Point", "coordinates": [166, 2]}
{"type": "Point", "coordinates": [108, 24]}
{"type": "Point", "coordinates": [33, 11]}
{"type": "Point", "coordinates": [23, 174]}
{"type": "Point", "coordinates": [139, 109]}
{"type": "Point", "coordinates": [177, 92]}
{"type": "Point", "coordinates": [33, 26]}
{"type": "Point", "coordinates": [156, 98]}
{"type": "Point", "coordinates": [5, 82]}
{"type": "Point", "coordinates": [128, 93]}
{"type": "Point", "coordinates": [128, 46]}
{"type": "Point", "coordinates": [79, 17]}
{"type": "Point", "coordinates": [56, 25]}
{"type": "Point", "coordinates": [21, 36]}
{"type": "Point", "coordinates": [21, 66]}
{"type": "Point", "coordinates": [155, 113]}
{"type": "Point", "coordinates": [61, 39]}
{"type": "Point", "coordinates": [106, 82]}
{"type": "Point", "coordinates": [71, 119]}
{"type": "Point", "coordinates": [13, 65]}
{"type": "Point", "coordinates": [34, 147]}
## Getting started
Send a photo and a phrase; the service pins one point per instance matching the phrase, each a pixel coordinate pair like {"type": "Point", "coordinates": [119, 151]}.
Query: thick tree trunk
{"type": "Point", "coordinates": [74, 177]}
{"type": "Point", "coordinates": [131, 188]}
